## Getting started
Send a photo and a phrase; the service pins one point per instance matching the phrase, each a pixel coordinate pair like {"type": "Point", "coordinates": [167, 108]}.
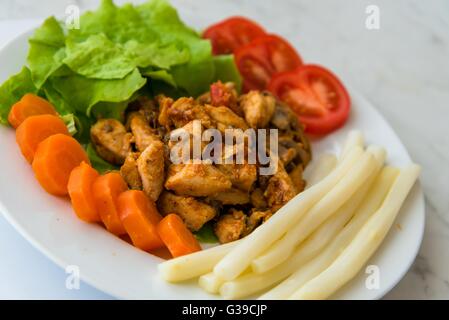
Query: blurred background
{"type": "Point", "coordinates": [402, 68]}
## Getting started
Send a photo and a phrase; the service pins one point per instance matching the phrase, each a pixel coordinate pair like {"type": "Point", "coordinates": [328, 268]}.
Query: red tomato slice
{"type": "Point", "coordinates": [263, 57]}
{"type": "Point", "coordinates": [228, 35]}
{"type": "Point", "coordinates": [316, 95]}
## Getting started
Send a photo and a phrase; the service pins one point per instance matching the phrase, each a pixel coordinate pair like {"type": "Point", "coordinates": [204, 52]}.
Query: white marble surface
{"type": "Point", "coordinates": [403, 68]}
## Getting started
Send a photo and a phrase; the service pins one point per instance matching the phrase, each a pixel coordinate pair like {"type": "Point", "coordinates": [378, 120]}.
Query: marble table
{"type": "Point", "coordinates": [402, 68]}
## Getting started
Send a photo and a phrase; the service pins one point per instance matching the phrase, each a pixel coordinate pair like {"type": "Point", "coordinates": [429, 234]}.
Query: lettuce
{"type": "Point", "coordinates": [117, 54]}
{"type": "Point", "coordinates": [46, 52]}
{"type": "Point", "coordinates": [99, 58]}
{"type": "Point", "coordinates": [97, 162]}
{"type": "Point", "coordinates": [12, 91]}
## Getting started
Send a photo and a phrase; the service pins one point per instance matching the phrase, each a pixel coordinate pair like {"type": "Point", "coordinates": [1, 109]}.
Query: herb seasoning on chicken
{"type": "Point", "coordinates": [234, 197]}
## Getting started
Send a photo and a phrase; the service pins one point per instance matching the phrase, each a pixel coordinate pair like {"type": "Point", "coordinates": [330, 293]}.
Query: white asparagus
{"type": "Point", "coordinates": [209, 282]}
{"type": "Point", "coordinates": [236, 261]}
{"type": "Point", "coordinates": [250, 283]}
{"type": "Point", "coordinates": [371, 203]}
{"type": "Point", "coordinates": [317, 171]}
{"type": "Point", "coordinates": [195, 264]}
{"type": "Point", "coordinates": [368, 165]}
{"type": "Point", "coordinates": [365, 243]}
{"type": "Point", "coordinates": [354, 139]}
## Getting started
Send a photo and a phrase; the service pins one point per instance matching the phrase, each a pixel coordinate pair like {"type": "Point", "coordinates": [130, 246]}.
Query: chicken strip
{"type": "Point", "coordinates": [111, 140]}
{"type": "Point", "coordinates": [184, 110]}
{"type": "Point", "coordinates": [164, 104]}
{"type": "Point", "coordinates": [231, 197]}
{"type": "Point", "coordinates": [242, 176]}
{"type": "Point", "coordinates": [257, 199]}
{"type": "Point", "coordinates": [255, 219]}
{"type": "Point", "coordinates": [198, 180]}
{"type": "Point", "coordinates": [194, 212]}
{"type": "Point", "coordinates": [230, 226]}
{"type": "Point", "coordinates": [150, 165]}
{"type": "Point", "coordinates": [280, 189]}
{"type": "Point", "coordinates": [225, 118]}
{"type": "Point", "coordinates": [296, 177]}
{"type": "Point", "coordinates": [144, 135]}
{"type": "Point", "coordinates": [258, 108]}
{"type": "Point", "coordinates": [130, 173]}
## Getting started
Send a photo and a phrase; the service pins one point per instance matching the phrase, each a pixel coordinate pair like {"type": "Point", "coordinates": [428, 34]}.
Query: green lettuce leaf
{"type": "Point", "coordinates": [84, 93]}
{"type": "Point", "coordinates": [46, 52]}
{"type": "Point", "coordinates": [162, 75]}
{"type": "Point", "coordinates": [98, 57]}
{"type": "Point", "coordinates": [70, 122]}
{"type": "Point", "coordinates": [12, 91]}
{"type": "Point", "coordinates": [206, 234]}
{"type": "Point", "coordinates": [97, 162]}
{"type": "Point", "coordinates": [226, 70]}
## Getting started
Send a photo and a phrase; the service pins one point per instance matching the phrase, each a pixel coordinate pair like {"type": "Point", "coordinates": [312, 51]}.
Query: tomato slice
{"type": "Point", "coordinates": [316, 95]}
{"type": "Point", "coordinates": [263, 57]}
{"type": "Point", "coordinates": [228, 35]}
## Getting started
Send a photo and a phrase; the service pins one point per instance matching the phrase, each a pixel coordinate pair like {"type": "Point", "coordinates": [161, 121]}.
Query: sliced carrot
{"type": "Point", "coordinates": [178, 239]}
{"type": "Point", "coordinates": [140, 218]}
{"type": "Point", "coordinates": [106, 190]}
{"type": "Point", "coordinates": [29, 105]}
{"type": "Point", "coordinates": [80, 190]}
{"type": "Point", "coordinates": [55, 159]}
{"type": "Point", "coordinates": [34, 130]}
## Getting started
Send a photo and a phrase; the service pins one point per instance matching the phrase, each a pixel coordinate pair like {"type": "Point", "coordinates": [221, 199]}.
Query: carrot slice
{"type": "Point", "coordinates": [29, 105]}
{"type": "Point", "coordinates": [106, 190]}
{"type": "Point", "coordinates": [34, 130]}
{"type": "Point", "coordinates": [178, 239]}
{"type": "Point", "coordinates": [80, 190]}
{"type": "Point", "coordinates": [140, 218]}
{"type": "Point", "coordinates": [55, 159]}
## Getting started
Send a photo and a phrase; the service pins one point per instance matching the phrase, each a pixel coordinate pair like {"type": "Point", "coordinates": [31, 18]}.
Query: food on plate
{"type": "Point", "coordinates": [316, 95]}
{"type": "Point", "coordinates": [234, 32]}
{"type": "Point", "coordinates": [98, 112]}
{"type": "Point", "coordinates": [333, 237]}
{"type": "Point", "coordinates": [54, 160]}
{"type": "Point", "coordinates": [29, 105]}
{"type": "Point", "coordinates": [106, 189]}
{"type": "Point", "coordinates": [140, 218]}
{"type": "Point", "coordinates": [203, 192]}
{"type": "Point", "coordinates": [79, 187]}
{"type": "Point", "coordinates": [364, 244]}
{"type": "Point", "coordinates": [366, 168]}
{"type": "Point", "coordinates": [176, 236]}
{"type": "Point", "coordinates": [34, 129]}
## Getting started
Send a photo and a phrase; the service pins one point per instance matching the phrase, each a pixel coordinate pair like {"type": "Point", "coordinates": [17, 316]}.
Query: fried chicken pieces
{"type": "Point", "coordinates": [235, 196]}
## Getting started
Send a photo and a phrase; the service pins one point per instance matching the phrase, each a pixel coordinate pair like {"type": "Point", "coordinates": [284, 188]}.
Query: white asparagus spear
{"type": "Point", "coordinates": [194, 264]}
{"type": "Point", "coordinates": [250, 283]}
{"type": "Point", "coordinates": [367, 240]}
{"type": "Point", "coordinates": [374, 199]}
{"type": "Point", "coordinates": [209, 282]}
{"type": "Point", "coordinates": [236, 261]}
{"type": "Point", "coordinates": [354, 139]}
{"type": "Point", "coordinates": [344, 190]}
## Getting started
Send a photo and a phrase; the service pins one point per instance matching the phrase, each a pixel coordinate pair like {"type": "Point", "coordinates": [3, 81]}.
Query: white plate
{"type": "Point", "coordinates": [117, 268]}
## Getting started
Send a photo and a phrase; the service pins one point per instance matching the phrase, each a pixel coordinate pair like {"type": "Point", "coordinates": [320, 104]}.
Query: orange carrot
{"type": "Point", "coordinates": [140, 218]}
{"type": "Point", "coordinates": [106, 190]}
{"type": "Point", "coordinates": [80, 190]}
{"type": "Point", "coordinates": [55, 159]}
{"type": "Point", "coordinates": [29, 105]}
{"type": "Point", "coordinates": [36, 129]}
{"type": "Point", "coordinates": [178, 239]}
